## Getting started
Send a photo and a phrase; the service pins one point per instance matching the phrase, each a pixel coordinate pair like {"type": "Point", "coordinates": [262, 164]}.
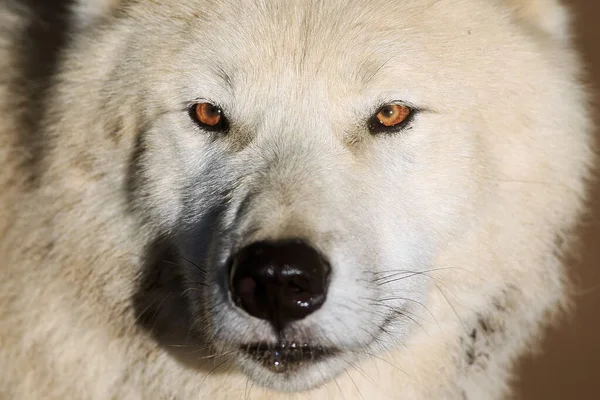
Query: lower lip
{"type": "Point", "coordinates": [285, 357]}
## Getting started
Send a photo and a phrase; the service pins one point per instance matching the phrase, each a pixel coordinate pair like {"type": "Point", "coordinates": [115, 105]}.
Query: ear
{"type": "Point", "coordinates": [549, 17]}
{"type": "Point", "coordinates": [87, 12]}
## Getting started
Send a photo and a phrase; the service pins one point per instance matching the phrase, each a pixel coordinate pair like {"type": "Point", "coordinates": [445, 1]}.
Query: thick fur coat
{"type": "Point", "coordinates": [118, 211]}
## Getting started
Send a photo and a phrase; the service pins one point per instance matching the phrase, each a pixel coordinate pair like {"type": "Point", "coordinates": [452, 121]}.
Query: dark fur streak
{"type": "Point", "coordinates": [470, 355]}
{"type": "Point", "coordinates": [473, 335]}
{"type": "Point", "coordinates": [115, 130]}
{"type": "Point", "coordinates": [484, 325]}
{"type": "Point", "coordinates": [481, 337]}
{"type": "Point", "coordinates": [44, 37]}
{"type": "Point", "coordinates": [135, 178]}
{"type": "Point", "coordinates": [158, 305]}
{"type": "Point", "coordinates": [499, 306]}
{"type": "Point", "coordinates": [244, 206]}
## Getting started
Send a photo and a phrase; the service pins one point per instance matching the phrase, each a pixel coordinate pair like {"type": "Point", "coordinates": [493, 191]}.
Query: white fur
{"type": "Point", "coordinates": [467, 205]}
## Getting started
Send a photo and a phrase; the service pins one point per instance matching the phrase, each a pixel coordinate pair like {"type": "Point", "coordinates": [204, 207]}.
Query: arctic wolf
{"type": "Point", "coordinates": [303, 199]}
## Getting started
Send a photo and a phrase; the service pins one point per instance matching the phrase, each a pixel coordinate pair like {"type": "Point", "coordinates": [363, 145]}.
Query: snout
{"type": "Point", "coordinates": [280, 282]}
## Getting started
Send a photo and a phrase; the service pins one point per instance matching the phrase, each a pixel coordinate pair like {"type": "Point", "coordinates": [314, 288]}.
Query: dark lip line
{"type": "Point", "coordinates": [289, 351]}
{"type": "Point", "coordinates": [292, 346]}
{"type": "Point", "coordinates": [284, 357]}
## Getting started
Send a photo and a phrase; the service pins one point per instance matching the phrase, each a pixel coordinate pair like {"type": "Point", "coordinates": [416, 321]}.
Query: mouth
{"type": "Point", "coordinates": [287, 357]}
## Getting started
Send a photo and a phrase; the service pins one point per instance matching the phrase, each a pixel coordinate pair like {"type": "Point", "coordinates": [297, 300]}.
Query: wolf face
{"type": "Point", "coordinates": [266, 144]}
{"type": "Point", "coordinates": [301, 154]}
{"type": "Point", "coordinates": [325, 182]}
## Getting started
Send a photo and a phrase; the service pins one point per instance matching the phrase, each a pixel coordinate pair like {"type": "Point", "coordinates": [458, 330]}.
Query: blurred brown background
{"type": "Point", "coordinates": [569, 368]}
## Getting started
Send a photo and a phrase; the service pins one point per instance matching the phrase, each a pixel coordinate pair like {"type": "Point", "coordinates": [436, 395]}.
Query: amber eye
{"type": "Point", "coordinates": [209, 116]}
{"type": "Point", "coordinates": [390, 117]}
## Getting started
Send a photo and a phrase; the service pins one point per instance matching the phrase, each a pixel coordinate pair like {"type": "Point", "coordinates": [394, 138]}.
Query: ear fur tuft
{"type": "Point", "coordinates": [547, 16]}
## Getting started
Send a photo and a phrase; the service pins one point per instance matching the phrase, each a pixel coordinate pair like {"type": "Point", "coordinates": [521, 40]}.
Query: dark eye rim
{"type": "Point", "coordinates": [376, 127]}
{"type": "Point", "coordinates": [221, 127]}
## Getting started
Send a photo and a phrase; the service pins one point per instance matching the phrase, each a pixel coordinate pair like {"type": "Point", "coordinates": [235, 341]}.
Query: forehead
{"type": "Point", "coordinates": [350, 37]}
{"type": "Point", "coordinates": [342, 45]}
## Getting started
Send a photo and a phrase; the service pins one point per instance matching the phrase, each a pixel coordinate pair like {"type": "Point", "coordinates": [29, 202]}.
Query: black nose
{"type": "Point", "coordinates": [279, 281]}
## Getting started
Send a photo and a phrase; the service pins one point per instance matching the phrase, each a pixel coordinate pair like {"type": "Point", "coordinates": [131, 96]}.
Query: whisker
{"type": "Point", "coordinates": [354, 383]}
{"type": "Point", "coordinates": [453, 309]}
{"type": "Point", "coordinates": [379, 301]}
{"type": "Point", "coordinates": [246, 390]}
{"type": "Point", "coordinates": [214, 369]}
{"type": "Point", "coordinates": [389, 363]}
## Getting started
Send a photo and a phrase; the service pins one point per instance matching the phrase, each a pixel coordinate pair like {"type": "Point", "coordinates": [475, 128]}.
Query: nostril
{"type": "Point", "coordinates": [279, 281]}
{"type": "Point", "coordinates": [295, 288]}
{"type": "Point", "coordinates": [245, 288]}
{"type": "Point", "coordinates": [244, 293]}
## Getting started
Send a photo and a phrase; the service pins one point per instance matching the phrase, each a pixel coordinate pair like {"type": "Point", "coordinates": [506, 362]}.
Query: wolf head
{"type": "Point", "coordinates": [334, 179]}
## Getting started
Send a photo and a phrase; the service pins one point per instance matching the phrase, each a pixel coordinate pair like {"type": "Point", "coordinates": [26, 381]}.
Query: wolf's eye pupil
{"type": "Point", "coordinates": [387, 112]}
{"type": "Point", "coordinates": [209, 116]}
